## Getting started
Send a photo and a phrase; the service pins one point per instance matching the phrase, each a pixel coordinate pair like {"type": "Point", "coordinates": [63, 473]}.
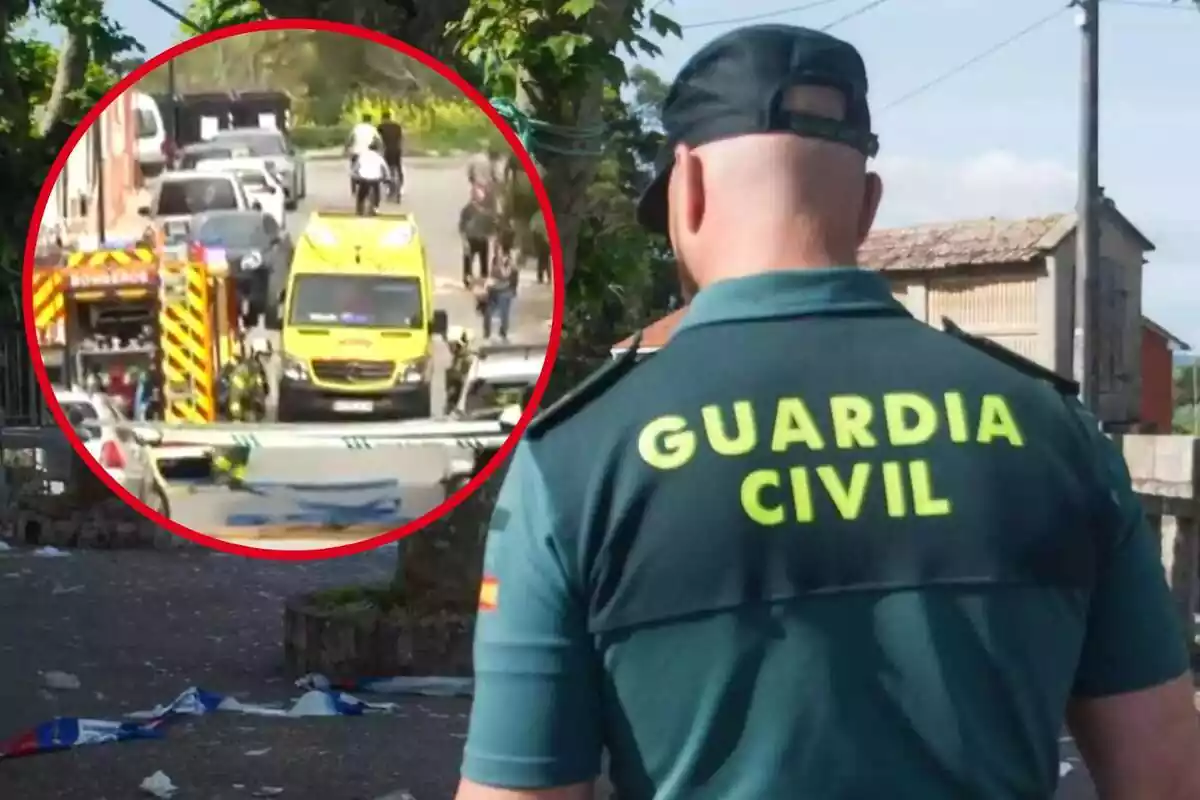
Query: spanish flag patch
{"type": "Point", "coordinates": [489, 594]}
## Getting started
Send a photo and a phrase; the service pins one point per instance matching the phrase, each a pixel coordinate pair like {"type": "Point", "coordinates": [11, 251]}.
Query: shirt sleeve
{"type": "Point", "coordinates": [535, 722]}
{"type": "Point", "coordinates": [1134, 637]}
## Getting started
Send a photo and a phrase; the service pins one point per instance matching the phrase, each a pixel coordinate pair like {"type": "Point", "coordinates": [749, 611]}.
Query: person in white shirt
{"type": "Point", "coordinates": [361, 137]}
{"type": "Point", "coordinates": [370, 170]}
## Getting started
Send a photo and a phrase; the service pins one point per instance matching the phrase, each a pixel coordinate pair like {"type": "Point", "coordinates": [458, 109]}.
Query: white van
{"type": "Point", "coordinates": [151, 135]}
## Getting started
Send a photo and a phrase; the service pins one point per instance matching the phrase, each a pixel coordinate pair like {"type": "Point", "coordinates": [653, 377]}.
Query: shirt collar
{"type": "Point", "coordinates": [792, 293]}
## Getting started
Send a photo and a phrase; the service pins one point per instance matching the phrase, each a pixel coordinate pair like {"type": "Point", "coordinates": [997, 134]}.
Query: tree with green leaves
{"type": "Point", "coordinates": [43, 96]}
{"type": "Point", "coordinates": [210, 15]}
{"type": "Point", "coordinates": [555, 60]}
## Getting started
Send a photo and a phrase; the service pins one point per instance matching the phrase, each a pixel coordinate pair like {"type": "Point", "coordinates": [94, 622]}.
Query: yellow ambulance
{"type": "Point", "coordinates": [357, 322]}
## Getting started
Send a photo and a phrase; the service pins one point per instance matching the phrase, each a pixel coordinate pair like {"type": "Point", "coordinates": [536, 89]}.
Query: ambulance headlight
{"type": "Point", "coordinates": [400, 236]}
{"type": "Point", "coordinates": [294, 369]}
{"type": "Point", "coordinates": [412, 373]}
{"type": "Point", "coordinates": [252, 260]}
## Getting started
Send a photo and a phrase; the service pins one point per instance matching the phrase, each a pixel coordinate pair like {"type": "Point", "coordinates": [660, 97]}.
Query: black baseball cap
{"type": "Point", "coordinates": [735, 85]}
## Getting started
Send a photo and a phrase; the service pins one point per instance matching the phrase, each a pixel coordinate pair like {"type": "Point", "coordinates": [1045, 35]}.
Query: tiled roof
{"type": "Point", "coordinates": [983, 242]}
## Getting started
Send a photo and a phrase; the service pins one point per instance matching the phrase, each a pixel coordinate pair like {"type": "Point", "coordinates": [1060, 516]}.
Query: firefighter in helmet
{"type": "Point", "coordinates": [243, 395]}
{"type": "Point", "coordinates": [459, 340]}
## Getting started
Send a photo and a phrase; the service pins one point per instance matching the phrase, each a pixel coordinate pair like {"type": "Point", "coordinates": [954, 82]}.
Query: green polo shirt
{"type": "Point", "coordinates": [812, 548]}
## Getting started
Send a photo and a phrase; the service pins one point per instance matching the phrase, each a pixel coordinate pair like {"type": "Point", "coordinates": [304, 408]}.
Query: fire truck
{"type": "Point", "coordinates": [162, 317]}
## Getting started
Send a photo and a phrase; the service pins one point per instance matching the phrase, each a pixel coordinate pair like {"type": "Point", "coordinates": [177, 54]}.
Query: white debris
{"type": "Point", "coordinates": [1065, 768]}
{"type": "Point", "coordinates": [159, 785]}
{"type": "Point", "coordinates": [5, 546]}
{"type": "Point", "coordinates": [268, 791]}
{"type": "Point", "coordinates": [60, 589]}
{"type": "Point", "coordinates": [262, 752]}
{"type": "Point", "coordinates": [313, 704]}
{"type": "Point", "coordinates": [50, 552]}
{"type": "Point", "coordinates": [61, 681]}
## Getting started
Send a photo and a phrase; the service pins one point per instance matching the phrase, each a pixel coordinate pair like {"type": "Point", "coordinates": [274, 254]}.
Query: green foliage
{"type": "Point", "coordinates": [1186, 420]}
{"type": "Point", "coordinates": [1187, 385]}
{"type": "Point", "coordinates": [510, 41]}
{"type": "Point", "coordinates": [550, 51]}
{"type": "Point", "coordinates": [320, 70]}
{"type": "Point", "coordinates": [27, 107]}
{"type": "Point", "coordinates": [211, 15]}
{"type": "Point", "coordinates": [436, 140]}
{"type": "Point", "coordinates": [626, 277]}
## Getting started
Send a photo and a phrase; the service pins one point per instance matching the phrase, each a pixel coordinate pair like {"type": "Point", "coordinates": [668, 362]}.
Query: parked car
{"type": "Point", "coordinates": [260, 185]}
{"type": "Point", "coordinates": [179, 196]}
{"type": "Point", "coordinates": [273, 148]}
{"type": "Point", "coordinates": [96, 419]}
{"type": "Point", "coordinates": [258, 251]}
{"type": "Point", "coordinates": [194, 155]}
{"type": "Point", "coordinates": [151, 146]}
{"type": "Point", "coordinates": [498, 377]}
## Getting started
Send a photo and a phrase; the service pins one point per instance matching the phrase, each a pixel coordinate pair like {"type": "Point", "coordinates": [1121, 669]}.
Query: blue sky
{"type": "Point", "coordinates": [999, 137]}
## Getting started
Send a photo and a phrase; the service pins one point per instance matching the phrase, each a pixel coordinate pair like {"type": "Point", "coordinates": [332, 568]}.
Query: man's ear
{"type": "Point", "coordinates": [689, 172]}
{"type": "Point", "coordinates": [872, 195]}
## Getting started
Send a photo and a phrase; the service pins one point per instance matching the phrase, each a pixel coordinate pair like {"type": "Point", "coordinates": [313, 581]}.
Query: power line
{"type": "Point", "coordinates": [1165, 5]}
{"type": "Point", "coordinates": [964, 66]}
{"type": "Point", "coordinates": [856, 12]}
{"type": "Point", "coordinates": [180, 18]}
{"type": "Point", "coordinates": [779, 12]}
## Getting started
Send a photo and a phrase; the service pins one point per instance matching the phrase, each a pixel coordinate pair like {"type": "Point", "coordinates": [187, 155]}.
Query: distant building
{"type": "Point", "coordinates": [1159, 347]}
{"type": "Point", "coordinates": [71, 208]}
{"type": "Point", "coordinates": [1013, 281]}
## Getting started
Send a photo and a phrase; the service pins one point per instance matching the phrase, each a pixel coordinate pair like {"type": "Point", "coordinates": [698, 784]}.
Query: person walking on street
{"type": "Point", "coordinates": [483, 171]}
{"type": "Point", "coordinates": [360, 139]}
{"type": "Point", "coordinates": [501, 293]}
{"type": "Point", "coordinates": [370, 171]}
{"type": "Point", "coordinates": [476, 228]}
{"type": "Point", "coordinates": [392, 136]}
{"type": "Point", "coordinates": [817, 548]}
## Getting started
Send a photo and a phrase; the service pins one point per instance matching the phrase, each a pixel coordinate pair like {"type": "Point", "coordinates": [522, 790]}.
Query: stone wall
{"type": "Point", "coordinates": [55, 520]}
{"type": "Point", "coordinates": [1166, 475]}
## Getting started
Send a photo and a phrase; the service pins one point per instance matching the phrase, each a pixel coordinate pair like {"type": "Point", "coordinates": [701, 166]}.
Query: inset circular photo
{"type": "Point", "coordinates": [291, 292]}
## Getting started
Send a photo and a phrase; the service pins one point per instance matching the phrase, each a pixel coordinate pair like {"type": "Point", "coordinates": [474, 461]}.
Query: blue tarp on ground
{"type": "Point", "coordinates": [318, 504]}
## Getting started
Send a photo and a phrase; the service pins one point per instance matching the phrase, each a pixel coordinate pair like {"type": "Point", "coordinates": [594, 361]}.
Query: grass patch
{"type": "Point", "coordinates": [431, 125]}
{"type": "Point", "coordinates": [380, 599]}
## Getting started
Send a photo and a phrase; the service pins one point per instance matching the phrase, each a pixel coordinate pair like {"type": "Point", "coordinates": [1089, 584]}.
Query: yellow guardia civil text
{"type": "Point", "coordinates": [894, 421]}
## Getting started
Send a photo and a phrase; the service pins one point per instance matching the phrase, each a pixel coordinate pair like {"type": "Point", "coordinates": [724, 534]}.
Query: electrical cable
{"type": "Point", "coordinates": [779, 12]}
{"type": "Point", "coordinates": [978, 57]}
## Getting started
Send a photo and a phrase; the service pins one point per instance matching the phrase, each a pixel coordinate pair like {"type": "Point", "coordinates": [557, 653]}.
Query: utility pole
{"type": "Point", "coordinates": [1195, 368]}
{"type": "Point", "coordinates": [1087, 237]}
{"type": "Point", "coordinates": [98, 159]}
{"type": "Point", "coordinates": [173, 115]}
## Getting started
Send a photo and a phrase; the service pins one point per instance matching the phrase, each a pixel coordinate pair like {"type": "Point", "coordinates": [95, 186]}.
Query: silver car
{"type": "Point", "coordinates": [277, 154]}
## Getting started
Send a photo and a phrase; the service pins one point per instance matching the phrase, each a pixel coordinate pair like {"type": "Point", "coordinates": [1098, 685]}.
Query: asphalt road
{"type": "Point", "coordinates": [375, 479]}
{"type": "Point", "coordinates": [138, 628]}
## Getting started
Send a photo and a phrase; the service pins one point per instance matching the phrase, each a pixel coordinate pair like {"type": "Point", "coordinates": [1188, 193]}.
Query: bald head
{"type": "Point", "coordinates": [773, 200]}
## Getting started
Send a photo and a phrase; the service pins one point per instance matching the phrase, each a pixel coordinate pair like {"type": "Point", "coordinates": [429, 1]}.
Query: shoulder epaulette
{"type": "Point", "coordinates": [592, 387]}
{"type": "Point", "coordinates": [1064, 386]}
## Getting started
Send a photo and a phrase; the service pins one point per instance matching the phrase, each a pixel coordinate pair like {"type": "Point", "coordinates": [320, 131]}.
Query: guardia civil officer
{"type": "Point", "coordinates": [815, 548]}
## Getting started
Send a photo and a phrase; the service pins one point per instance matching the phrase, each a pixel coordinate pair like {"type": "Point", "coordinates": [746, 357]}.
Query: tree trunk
{"type": "Point", "coordinates": [568, 178]}
{"type": "Point", "coordinates": [69, 76]}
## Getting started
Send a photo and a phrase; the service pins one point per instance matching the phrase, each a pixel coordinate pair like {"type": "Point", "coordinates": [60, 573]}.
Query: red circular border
{"type": "Point", "coordinates": [556, 253]}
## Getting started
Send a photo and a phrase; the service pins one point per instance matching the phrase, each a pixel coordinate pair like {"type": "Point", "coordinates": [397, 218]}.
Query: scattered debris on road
{"type": "Point", "coordinates": [159, 785]}
{"type": "Point", "coordinates": [60, 681]}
